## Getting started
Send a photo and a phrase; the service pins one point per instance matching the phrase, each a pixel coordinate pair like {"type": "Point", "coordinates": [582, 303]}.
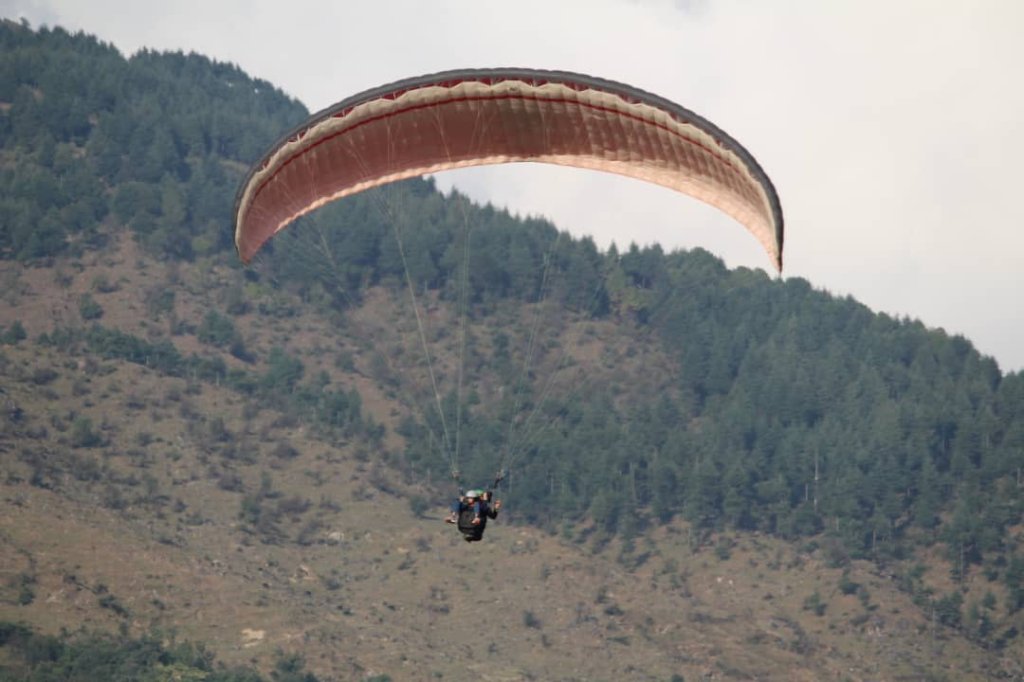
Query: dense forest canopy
{"type": "Point", "coordinates": [793, 412]}
{"type": "Point", "coordinates": [153, 141]}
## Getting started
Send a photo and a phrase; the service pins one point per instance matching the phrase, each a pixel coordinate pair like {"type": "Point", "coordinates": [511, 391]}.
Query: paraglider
{"type": "Point", "coordinates": [471, 512]}
{"type": "Point", "coordinates": [474, 117]}
{"type": "Point", "coordinates": [464, 118]}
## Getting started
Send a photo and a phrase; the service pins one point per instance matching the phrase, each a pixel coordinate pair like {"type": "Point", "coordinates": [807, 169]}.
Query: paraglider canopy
{"type": "Point", "coordinates": [467, 118]}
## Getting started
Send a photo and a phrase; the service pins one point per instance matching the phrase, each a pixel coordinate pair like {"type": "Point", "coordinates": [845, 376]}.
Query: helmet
{"type": "Point", "coordinates": [474, 493]}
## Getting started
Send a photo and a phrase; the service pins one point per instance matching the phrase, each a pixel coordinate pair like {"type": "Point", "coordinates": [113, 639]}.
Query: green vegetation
{"type": "Point", "coordinates": [88, 308]}
{"type": "Point", "coordinates": [31, 657]}
{"type": "Point", "coordinates": [218, 330]}
{"type": "Point", "coordinates": [13, 334]}
{"type": "Point", "coordinates": [83, 435]}
{"type": "Point", "coordinates": [336, 411]}
{"type": "Point", "coordinates": [530, 620]}
{"type": "Point", "coordinates": [88, 134]}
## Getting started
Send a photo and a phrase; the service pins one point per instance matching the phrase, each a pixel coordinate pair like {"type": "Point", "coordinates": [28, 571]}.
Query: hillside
{"type": "Point", "coordinates": [711, 474]}
{"type": "Point", "coordinates": [195, 511]}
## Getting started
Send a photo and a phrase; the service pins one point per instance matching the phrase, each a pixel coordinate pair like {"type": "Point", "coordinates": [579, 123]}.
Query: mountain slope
{"type": "Point", "coordinates": [711, 472]}
{"type": "Point", "coordinates": [196, 510]}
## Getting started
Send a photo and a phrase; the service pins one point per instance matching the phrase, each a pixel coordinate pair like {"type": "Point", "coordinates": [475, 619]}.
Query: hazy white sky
{"type": "Point", "coordinates": [892, 129]}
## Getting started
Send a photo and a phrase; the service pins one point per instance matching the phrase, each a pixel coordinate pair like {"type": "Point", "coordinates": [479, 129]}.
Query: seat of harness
{"type": "Point", "coordinates": [472, 532]}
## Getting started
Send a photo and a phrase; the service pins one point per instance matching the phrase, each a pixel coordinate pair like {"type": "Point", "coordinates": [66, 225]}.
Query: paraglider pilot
{"type": "Point", "coordinates": [471, 512]}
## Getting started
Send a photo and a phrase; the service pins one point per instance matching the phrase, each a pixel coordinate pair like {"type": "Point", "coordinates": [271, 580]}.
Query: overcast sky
{"type": "Point", "coordinates": [892, 129]}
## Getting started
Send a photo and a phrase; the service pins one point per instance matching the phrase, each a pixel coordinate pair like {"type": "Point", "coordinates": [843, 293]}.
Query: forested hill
{"type": "Point", "coordinates": [781, 408]}
{"type": "Point", "coordinates": [156, 141]}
